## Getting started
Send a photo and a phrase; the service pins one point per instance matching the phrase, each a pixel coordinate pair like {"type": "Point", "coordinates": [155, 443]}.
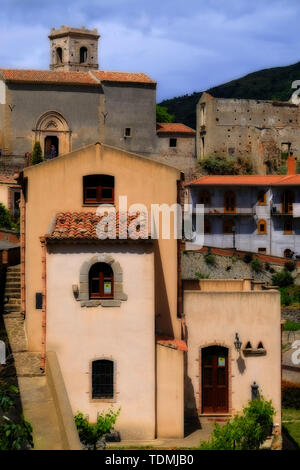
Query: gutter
{"type": "Point", "coordinates": [44, 304]}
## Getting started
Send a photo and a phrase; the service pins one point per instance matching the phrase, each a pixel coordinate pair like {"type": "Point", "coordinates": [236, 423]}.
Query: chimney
{"type": "Point", "coordinates": [291, 165]}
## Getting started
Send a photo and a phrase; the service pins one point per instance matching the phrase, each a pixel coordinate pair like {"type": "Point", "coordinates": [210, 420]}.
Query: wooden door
{"type": "Point", "coordinates": [215, 379]}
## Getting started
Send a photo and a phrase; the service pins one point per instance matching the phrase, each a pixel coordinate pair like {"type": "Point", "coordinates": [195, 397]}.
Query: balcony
{"type": "Point", "coordinates": [240, 211]}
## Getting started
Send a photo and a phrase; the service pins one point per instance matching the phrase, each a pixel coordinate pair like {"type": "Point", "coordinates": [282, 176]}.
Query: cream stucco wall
{"type": "Point", "coordinates": [123, 334]}
{"type": "Point", "coordinates": [56, 186]}
{"type": "Point", "coordinates": [213, 318]}
{"type": "Point", "coordinates": [4, 188]}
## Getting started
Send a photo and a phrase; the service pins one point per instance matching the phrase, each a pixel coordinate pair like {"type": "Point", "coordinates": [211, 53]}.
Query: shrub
{"type": "Point", "coordinates": [285, 296]}
{"type": "Point", "coordinates": [210, 260]}
{"type": "Point", "coordinates": [200, 275]}
{"type": "Point", "coordinates": [289, 266]}
{"type": "Point", "coordinates": [36, 154]}
{"type": "Point", "coordinates": [90, 434]}
{"type": "Point", "coordinates": [15, 436]}
{"type": "Point", "coordinates": [248, 258]}
{"type": "Point", "coordinates": [5, 218]}
{"type": "Point", "coordinates": [282, 279]}
{"type": "Point", "coordinates": [291, 326]}
{"type": "Point", "coordinates": [223, 165]}
{"type": "Point", "coordinates": [7, 395]}
{"type": "Point", "coordinates": [256, 265]}
{"type": "Point", "coordinates": [290, 395]}
{"type": "Point", "coordinates": [245, 432]}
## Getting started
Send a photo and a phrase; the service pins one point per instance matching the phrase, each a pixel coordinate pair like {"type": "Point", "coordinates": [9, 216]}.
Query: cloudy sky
{"type": "Point", "coordinates": [186, 45]}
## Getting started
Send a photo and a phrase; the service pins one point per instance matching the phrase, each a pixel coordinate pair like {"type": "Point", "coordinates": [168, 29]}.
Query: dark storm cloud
{"type": "Point", "coordinates": [185, 46]}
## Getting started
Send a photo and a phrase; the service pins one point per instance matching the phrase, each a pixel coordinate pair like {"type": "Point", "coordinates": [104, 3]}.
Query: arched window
{"type": "Point", "coordinates": [287, 202]}
{"type": "Point", "coordinates": [228, 226]}
{"type": "Point", "coordinates": [98, 189]}
{"type": "Point", "coordinates": [102, 379]}
{"type": "Point", "coordinates": [229, 202]}
{"type": "Point", "coordinates": [59, 55]}
{"type": "Point", "coordinates": [83, 55]}
{"type": "Point", "coordinates": [261, 199]}
{"type": "Point", "coordinates": [204, 198]}
{"type": "Point", "coordinates": [262, 227]}
{"type": "Point", "coordinates": [288, 253]}
{"type": "Point", "coordinates": [101, 281]}
{"type": "Point", "coordinates": [207, 226]}
{"type": "Point", "coordinates": [288, 227]}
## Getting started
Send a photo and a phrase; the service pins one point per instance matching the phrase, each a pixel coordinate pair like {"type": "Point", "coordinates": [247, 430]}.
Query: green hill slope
{"type": "Point", "coordinates": [267, 84]}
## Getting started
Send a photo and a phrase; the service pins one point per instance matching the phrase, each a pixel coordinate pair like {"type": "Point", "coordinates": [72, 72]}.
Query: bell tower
{"type": "Point", "coordinates": [73, 49]}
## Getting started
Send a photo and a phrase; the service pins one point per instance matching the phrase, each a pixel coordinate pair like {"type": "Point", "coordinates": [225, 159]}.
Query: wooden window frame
{"type": "Point", "coordinates": [230, 208]}
{"type": "Point", "coordinates": [264, 202]}
{"type": "Point", "coordinates": [259, 230]}
{"type": "Point", "coordinates": [288, 231]}
{"type": "Point", "coordinates": [101, 278]}
{"type": "Point", "coordinates": [99, 187]}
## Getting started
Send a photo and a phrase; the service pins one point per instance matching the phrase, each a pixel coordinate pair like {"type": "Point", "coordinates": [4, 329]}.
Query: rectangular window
{"type": "Point", "coordinates": [173, 142]}
{"type": "Point", "coordinates": [102, 379]}
{"type": "Point", "coordinates": [262, 250]}
{"type": "Point", "coordinates": [127, 132]}
{"type": "Point", "coordinates": [98, 189]}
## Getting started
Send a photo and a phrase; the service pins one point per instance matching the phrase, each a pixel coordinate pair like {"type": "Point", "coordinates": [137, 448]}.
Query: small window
{"type": "Point", "coordinates": [207, 227]}
{"type": "Point", "coordinates": [127, 132]}
{"type": "Point", "coordinates": [173, 142]}
{"type": "Point", "coordinates": [262, 250]}
{"type": "Point", "coordinates": [248, 345]}
{"type": "Point", "coordinates": [59, 55]}
{"type": "Point", "coordinates": [204, 198]}
{"type": "Point", "coordinates": [101, 281]}
{"type": "Point", "coordinates": [228, 226]}
{"type": "Point", "coordinates": [261, 199]}
{"type": "Point", "coordinates": [262, 227]}
{"type": "Point", "coordinates": [83, 55]}
{"type": "Point", "coordinates": [260, 345]}
{"type": "Point", "coordinates": [288, 227]}
{"type": "Point", "coordinates": [229, 202]}
{"type": "Point", "coordinates": [98, 189]}
{"type": "Point", "coordinates": [102, 379]}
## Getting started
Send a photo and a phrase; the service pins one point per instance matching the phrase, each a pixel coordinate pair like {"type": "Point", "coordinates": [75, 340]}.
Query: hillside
{"type": "Point", "coordinates": [267, 84]}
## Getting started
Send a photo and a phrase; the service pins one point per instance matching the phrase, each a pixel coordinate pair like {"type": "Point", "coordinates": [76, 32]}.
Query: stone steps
{"type": "Point", "coordinates": [12, 293]}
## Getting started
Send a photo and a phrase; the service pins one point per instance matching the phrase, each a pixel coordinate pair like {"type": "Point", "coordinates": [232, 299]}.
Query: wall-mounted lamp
{"type": "Point", "coordinates": [237, 343]}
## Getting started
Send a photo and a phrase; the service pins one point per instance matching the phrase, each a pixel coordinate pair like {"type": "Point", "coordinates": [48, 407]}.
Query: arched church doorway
{"type": "Point", "coordinates": [51, 149]}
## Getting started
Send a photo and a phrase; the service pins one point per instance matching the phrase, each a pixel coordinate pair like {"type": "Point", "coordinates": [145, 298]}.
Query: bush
{"type": "Point", "coordinates": [245, 432]}
{"type": "Point", "coordinates": [36, 154]}
{"type": "Point", "coordinates": [285, 296]}
{"type": "Point", "coordinates": [90, 434]}
{"type": "Point", "coordinates": [5, 218]}
{"type": "Point", "coordinates": [291, 326]}
{"type": "Point", "coordinates": [7, 395]}
{"type": "Point", "coordinates": [248, 258]}
{"type": "Point", "coordinates": [256, 265]}
{"type": "Point", "coordinates": [200, 275]}
{"type": "Point", "coordinates": [282, 279]}
{"type": "Point", "coordinates": [290, 395]}
{"type": "Point", "coordinates": [222, 165]}
{"type": "Point", "coordinates": [210, 260]}
{"type": "Point", "coordinates": [289, 266]}
{"type": "Point", "coordinates": [15, 436]}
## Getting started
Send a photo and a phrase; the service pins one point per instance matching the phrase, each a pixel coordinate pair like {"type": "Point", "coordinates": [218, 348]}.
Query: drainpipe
{"type": "Point", "coordinates": [44, 305]}
{"type": "Point", "coordinates": [22, 242]}
{"type": "Point", "coordinates": [179, 241]}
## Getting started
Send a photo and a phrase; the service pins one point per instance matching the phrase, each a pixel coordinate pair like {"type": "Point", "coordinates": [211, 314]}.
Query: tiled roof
{"type": "Point", "coordinates": [172, 343]}
{"type": "Point", "coordinates": [246, 180]}
{"type": "Point", "coordinates": [104, 76]}
{"type": "Point", "coordinates": [72, 78]}
{"type": "Point", "coordinates": [82, 226]}
{"type": "Point", "coordinates": [174, 128]}
{"type": "Point", "coordinates": [48, 76]}
{"type": "Point", "coordinates": [7, 179]}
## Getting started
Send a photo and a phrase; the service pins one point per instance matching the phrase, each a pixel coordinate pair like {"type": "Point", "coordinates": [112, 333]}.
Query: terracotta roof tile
{"type": "Point", "coordinates": [48, 76]}
{"type": "Point", "coordinates": [174, 128]}
{"type": "Point", "coordinates": [247, 180]}
{"type": "Point", "coordinates": [172, 343]}
{"type": "Point", "coordinates": [104, 76]}
{"type": "Point", "coordinates": [82, 226]}
{"type": "Point", "coordinates": [8, 179]}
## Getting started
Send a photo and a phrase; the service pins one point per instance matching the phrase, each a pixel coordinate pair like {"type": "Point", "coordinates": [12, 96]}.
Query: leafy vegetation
{"type": "Point", "coordinates": [5, 218]}
{"type": "Point", "coordinates": [256, 265]}
{"type": "Point", "coordinates": [248, 258]}
{"type": "Point", "coordinates": [291, 420]}
{"type": "Point", "coordinates": [162, 114]}
{"type": "Point", "coordinates": [244, 432]}
{"type": "Point", "coordinates": [222, 165]}
{"type": "Point", "coordinates": [200, 275]}
{"type": "Point", "coordinates": [291, 326]}
{"type": "Point", "coordinates": [36, 154]}
{"type": "Point", "coordinates": [90, 434]}
{"type": "Point", "coordinates": [282, 279]}
{"type": "Point", "coordinates": [210, 260]}
{"type": "Point", "coordinates": [290, 266]}
{"type": "Point", "coordinates": [290, 395]}
{"type": "Point", "coordinates": [268, 84]}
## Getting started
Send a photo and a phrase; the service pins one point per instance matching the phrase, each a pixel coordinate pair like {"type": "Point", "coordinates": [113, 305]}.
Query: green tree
{"type": "Point", "coordinates": [162, 114]}
{"type": "Point", "coordinates": [90, 434]}
{"type": "Point", "coordinates": [36, 154]}
{"type": "Point", "coordinates": [5, 218]}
